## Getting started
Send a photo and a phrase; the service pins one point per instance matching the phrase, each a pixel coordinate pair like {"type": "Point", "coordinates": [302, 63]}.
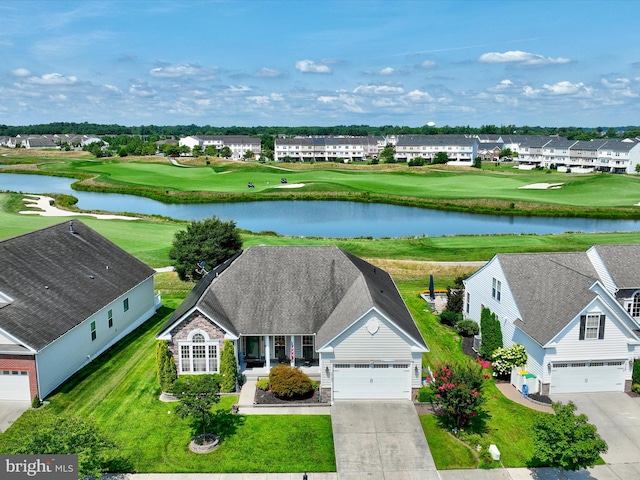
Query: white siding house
{"type": "Point", "coordinates": [337, 317]}
{"type": "Point", "coordinates": [573, 312]}
{"type": "Point", "coordinates": [67, 294]}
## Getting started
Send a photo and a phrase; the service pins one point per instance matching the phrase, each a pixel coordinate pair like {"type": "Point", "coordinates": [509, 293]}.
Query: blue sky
{"type": "Point", "coordinates": [291, 63]}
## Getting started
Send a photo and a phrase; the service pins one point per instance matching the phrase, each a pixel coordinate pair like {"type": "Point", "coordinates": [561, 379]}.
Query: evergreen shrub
{"type": "Point", "coordinates": [289, 383]}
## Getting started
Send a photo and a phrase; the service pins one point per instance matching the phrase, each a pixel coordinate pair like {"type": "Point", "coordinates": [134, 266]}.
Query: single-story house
{"type": "Point", "coordinates": [337, 317]}
{"type": "Point", "coordinates": [66, 295]}
{"type": "Point", "coordinates": [577, 314]}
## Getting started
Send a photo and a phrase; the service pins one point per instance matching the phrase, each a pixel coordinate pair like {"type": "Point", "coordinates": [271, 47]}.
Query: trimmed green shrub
{"type": "Point", "coordinates": [455, 294]}
{"type": "Point", "coordinates": [449, 317]}
{"type": "Point", "coordinates": [636, 371]}
{"type": "Point", "coordinates": [491, 334]}
{"type": "Point", "coordinates": [228, 368]}
{"type": "Point", "coordinates": [36, 403]}
{"type": "Point", "coordinates": [467, 328]}
{"type": "Point", "coordinates": [263, 384]}
{"type": "Point", "coordinates": [167, 372]}
{"type": "Point", "coordinates": [426, 394]}
{"type": "Point", "coordinates": [289, 383]}
{"type": "Point", "coordinates": [635, 387]}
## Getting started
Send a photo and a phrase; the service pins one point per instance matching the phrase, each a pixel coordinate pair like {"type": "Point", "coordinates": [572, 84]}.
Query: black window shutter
{"type": "Point", "coordinates": [583, 323]}
{"type": "Point", "coordinates": [601, 330]}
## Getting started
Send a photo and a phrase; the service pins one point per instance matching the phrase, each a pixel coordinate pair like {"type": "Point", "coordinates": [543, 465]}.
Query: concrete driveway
{"type": "Point", "coordinates": [617, 417]}
{"type": "Point", "coordinates": [10, 412]}
{"type": "Point", "coordinates": [380, 440]}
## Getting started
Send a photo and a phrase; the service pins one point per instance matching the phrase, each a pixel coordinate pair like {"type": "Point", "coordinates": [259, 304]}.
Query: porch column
{"type": "Point", "coordinates": [292, 344]}
{"type": "Point", "coordinates": [267, 352]}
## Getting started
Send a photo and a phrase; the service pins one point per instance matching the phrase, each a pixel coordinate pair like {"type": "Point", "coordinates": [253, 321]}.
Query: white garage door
{"type": "Point", "coordinates": [576, 377]}
{"type": "Point", "coordinates": [14, 385]}
{"type": "Point", "coordinates": [371, 381]}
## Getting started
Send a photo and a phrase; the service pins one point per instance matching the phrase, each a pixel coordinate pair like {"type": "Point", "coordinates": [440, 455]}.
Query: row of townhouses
{"type": "Point", "coordinates": [239, 144]}
{"type": "Point", "coordinates": [47, 141]}
{"type": "Point", "coordinates": [529, 151]}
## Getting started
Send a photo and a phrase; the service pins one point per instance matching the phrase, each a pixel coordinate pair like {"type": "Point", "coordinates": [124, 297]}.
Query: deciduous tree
{"type": "Point", "coordinates": [565, 440]}
{"type": "Point", "coordinates": [211, 241]}
{"type": "Point", "coordinates": [197, 394]}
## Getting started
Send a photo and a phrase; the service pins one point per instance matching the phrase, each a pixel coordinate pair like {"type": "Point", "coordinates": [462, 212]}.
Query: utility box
{"type": "Point", "coordinates": [495, 453]}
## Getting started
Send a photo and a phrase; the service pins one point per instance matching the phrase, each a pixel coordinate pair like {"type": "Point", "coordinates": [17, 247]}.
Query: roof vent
{"type": "Point", "coordinates": [71, 230]}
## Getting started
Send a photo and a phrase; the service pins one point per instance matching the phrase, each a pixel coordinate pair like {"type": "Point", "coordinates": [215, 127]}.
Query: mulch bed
{"type": "Point", "coordinates": [540, 398]}
{"type": "Point", "coordinates": [267, 398]}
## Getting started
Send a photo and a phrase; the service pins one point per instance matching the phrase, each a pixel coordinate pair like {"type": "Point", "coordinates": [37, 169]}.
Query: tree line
{"type": "Point", "coordinates": [267, 133]}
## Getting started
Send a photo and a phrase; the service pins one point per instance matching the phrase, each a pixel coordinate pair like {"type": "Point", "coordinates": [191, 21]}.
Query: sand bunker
{"type": "Point", "coordinates": [291, 185]}
{"type": "Point", "coordinates": [542, 186]}
{"type": "Point", "coordinates": [43, 203]}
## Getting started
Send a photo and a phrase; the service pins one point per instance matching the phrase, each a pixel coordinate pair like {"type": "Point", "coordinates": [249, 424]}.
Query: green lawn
{"type": "Point", "coordinates": [121, 392]}
{"type": "Point", "coordinates": [448, 452]}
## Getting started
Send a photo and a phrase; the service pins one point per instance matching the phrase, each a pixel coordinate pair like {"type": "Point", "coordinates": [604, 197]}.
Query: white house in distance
{"type": "Point", "coordinates": [337, 317]}
{"type": "Point", "coordinates": [238, 144]}
{"type": "Point", "coordinates": [577, 314]}
{"type": "Point", "coordinates": [66, 295]}
{"type": "Point", "coordinates": [461, 149]}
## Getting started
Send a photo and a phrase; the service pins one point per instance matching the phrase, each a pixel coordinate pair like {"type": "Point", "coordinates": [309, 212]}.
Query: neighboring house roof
{"type": "Point", "coordinates": [549, 289]}
{"type": "Point", "coordinates": [296, 290]}
{"type": "Point", "coordinates": [59, 276]}
{"type": "Point", "coordinates": [622, 263]}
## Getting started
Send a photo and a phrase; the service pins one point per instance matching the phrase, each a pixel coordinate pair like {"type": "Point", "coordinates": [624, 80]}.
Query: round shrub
{"type": "Point", "coordinates": [289, 383]}
{"type": "Point", "coordinates": [635, 387]}
{"type": "Point", "coordinates": [449, 317]}
{"type": "Point", "coordinates": [263, 384]}
{"type": "Point", "coordinates": [467, 328]}
{"type": "Point", "coordinates": [426, 394]}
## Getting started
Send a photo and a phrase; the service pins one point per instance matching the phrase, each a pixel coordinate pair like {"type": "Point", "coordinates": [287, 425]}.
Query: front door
{"type": "Point", "coordinates": [253, 347]}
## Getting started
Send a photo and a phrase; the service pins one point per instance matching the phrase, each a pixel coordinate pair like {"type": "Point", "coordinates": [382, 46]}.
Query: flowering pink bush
{"type": "Point", "coordinates": [459, 392]}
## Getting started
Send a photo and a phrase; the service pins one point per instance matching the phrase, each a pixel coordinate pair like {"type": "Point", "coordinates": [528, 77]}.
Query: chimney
{"type": "Point", "coordinates": [71, 231]}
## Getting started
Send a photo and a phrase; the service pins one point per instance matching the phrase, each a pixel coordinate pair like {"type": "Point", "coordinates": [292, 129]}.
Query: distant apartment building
{"type": "Point", "coordinates": [327, 149]}
{"type": "Point", "coordinates": [459, 148]}
{"type": "Point", "coordinates": [238, 144]}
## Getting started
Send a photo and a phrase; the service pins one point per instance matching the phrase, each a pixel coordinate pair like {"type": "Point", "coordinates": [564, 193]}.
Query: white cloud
{"type": "Point", "coordinates": [617, 84]}
{"type": "Point", "coordinates": [386, 71]}
{"type": "Point", "coordinates": [52, 79]}
{"type": "Point", "coordinates": [529, 91]}
{"type": "Point", "coordinates": [521, 58]}
{"type": "Point", "coordinates": [238, 89]}
{"type": "Point", "coordinates": [418, 96]}
{"type": "Point", "coordinates": [564, 88]}
{"type": "Point", "coordinates": [112, 88]}
{"type": "Point", "coordinates": [377, 89]}
{"type": "Point", "coordinates": [428, 64]}
{"type": "Point", "coordinates": [309, 66]}
{"type": "Point", "coordinates": [327, 99]}
{"type": "Point", "coordinates": [176, 71]}
{"type": "Point", "coordinates": [267, 72]}
{"type": "Point", "coordinates": [142, 90]}
{"type": "Point", "coordinates": [259, 99]}
{"type": "Point", "coordinates": [20, 72]}
{"type": "Point", "coordinates": [276, 97]}
{"type": "Point", "coordinates": [503, 85]}
{"type": "Point", "coordinates": [58, 98]}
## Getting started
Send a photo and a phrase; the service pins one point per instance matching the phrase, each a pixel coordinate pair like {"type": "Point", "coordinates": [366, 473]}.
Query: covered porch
{"type": "Point", "coordinates": [257, 354]}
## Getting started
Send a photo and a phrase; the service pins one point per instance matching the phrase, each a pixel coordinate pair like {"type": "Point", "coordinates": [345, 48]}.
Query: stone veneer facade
{"type": "Point", "coordinates": [195, 321]}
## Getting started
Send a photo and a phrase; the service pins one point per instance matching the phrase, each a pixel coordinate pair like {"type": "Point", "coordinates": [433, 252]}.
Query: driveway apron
{"type": "Point", "coordinates": [380, 440]}
{"type": "Point", "coordinates": [10, 412]}
{"type": "Point", "coordinates": [617, 417]}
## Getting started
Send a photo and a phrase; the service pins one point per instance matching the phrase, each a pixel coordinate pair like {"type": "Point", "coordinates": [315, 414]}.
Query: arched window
{"type": "Point", "coordinates": [198, 354]}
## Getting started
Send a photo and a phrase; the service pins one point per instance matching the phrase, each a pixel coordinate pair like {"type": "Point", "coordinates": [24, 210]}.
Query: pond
{"type": "Point", "coordinates": [320, 218]}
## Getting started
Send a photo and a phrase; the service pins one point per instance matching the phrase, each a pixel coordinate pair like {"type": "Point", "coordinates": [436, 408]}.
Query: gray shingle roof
{"type": "Point", "coordinates": [298, 290]}
{"type": "Point", "coordinates": [54, 257]}
{"type": "Point", "coordinates": [622, 261]}
{"type": "Point", "coordinates": [549, 289]}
